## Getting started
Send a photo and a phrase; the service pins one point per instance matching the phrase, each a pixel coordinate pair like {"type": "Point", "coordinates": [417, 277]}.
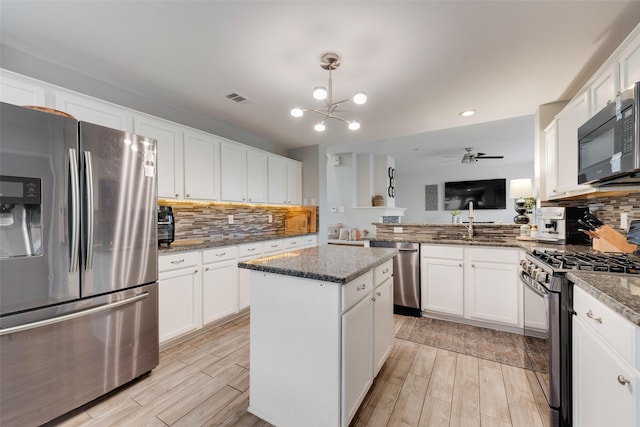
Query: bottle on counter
{"type": "Point", "coordinates": [534, 231]}
{"type": "Point", "coordinates": [525, 230]}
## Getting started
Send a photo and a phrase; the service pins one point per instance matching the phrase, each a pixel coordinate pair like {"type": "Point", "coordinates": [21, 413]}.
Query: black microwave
{"type": "Point", "coordinates": [608, 150]}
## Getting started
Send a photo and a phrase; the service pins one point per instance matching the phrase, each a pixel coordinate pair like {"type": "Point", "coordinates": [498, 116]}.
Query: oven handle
{"type": "Point", "coordinates": [527, 279]}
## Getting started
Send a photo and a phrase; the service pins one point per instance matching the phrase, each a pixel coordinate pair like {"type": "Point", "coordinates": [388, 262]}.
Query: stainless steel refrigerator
{"type": "Point", "coordinates": [78, 263]}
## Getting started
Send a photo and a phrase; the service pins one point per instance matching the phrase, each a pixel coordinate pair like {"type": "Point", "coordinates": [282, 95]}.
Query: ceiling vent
{"type": "Point", "coordinates": [236, 98]}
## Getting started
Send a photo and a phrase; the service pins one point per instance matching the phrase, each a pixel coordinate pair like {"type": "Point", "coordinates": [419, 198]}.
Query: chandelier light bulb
{"type": "Point", "coordinates": [319, 127]}
{"type": "Point", "coordinates": [297, 112]}
{"type": "Point", "coordinates": [360, 98]}
{"type": "Point", "coordinates": [320, 93]}
{"type": "Point", "coordinates": [354, 125]}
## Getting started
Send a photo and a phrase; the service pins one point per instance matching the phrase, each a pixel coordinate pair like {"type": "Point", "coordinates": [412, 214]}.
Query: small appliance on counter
{"type": "Point", "coordinates": [166, 225]}
{"type": "Point", "coordinates": [560, 225]}
{"type": "Point", "coordinates": [633, 236]}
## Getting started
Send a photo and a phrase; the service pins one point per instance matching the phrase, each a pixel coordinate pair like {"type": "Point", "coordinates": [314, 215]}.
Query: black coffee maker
{"type": "Point", "coordinates": [166, 225]}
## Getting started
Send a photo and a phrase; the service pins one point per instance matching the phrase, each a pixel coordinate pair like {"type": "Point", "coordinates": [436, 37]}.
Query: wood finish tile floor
{"type": "Point", "coordinates": [205, 382]}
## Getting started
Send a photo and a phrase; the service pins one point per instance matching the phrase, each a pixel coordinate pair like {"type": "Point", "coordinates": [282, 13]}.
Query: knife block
{"type": "Point", "coordinates": [609, 240]}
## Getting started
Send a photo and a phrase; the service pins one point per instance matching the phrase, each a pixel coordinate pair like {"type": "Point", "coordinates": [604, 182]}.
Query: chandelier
{"type": "Point", "coordinates": [330, 62]}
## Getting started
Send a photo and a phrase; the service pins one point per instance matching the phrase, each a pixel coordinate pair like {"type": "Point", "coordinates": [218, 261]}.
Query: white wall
{"type": "Point", "coordinates": [410, 191]}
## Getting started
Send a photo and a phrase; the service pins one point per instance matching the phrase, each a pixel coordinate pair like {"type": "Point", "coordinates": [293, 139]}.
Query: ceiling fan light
{"type": "Point", "coordinates": [319, 127]}
{"type": "Point", "coordinates": [360, 98]}
{"type": "Point", "coordinates": [354, 125]}
{"type": "Point", "coordinates": [320, 93]}
{"type": "Point", "coordinates": [297, 112]}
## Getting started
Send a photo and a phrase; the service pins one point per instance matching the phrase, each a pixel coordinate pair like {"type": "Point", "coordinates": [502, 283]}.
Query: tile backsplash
{"type": "Point", "coordinates": [607, 208]}
{"type": "Point", "coordinates": [210, 221]}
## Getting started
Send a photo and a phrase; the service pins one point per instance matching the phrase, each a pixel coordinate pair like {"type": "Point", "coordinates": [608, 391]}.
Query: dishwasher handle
{"type": "Point", "coordinates": [407, 250]}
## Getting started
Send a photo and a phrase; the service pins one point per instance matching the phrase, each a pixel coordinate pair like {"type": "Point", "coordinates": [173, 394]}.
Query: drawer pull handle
{"type": "Point", "coordinates": [595, 319]}
{"type": "Point", "coordinates": [178, 261]}
{"type": "Point", "coordinates": [207, 269]}
{"type": "Point", "coordinates": [459, 265]}
{"type": "Point", "coordinates": [379, 294]}
{"type": "Point", "coordinates": [622, 380]}
{"type": "Point", "coordinates": [251, 249]}
{"type": "Point", "coordinates": [385, 271]}
{"type": "Point", "coordinates": [274, 246]}
{"type": "Point", "coordinates": [222, 254]}
{"type": "Point", "coordinates": [361, 288]}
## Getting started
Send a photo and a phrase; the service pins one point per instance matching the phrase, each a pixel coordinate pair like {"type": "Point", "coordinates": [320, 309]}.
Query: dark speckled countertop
{"type": "Point", "coordinates": [196, 245]}
{"type": "Point", "coordinates": [328, 263]}
{"type": "Point", "coordinates": [620, 292]}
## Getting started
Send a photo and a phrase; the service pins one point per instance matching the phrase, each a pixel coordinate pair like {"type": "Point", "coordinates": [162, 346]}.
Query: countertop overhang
{"type": "Point", "coordinates": [328, 263]}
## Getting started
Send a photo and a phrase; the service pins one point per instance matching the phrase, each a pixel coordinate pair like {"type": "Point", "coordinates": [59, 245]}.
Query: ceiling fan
{"type": "Point", "coordinates": [469, 157]}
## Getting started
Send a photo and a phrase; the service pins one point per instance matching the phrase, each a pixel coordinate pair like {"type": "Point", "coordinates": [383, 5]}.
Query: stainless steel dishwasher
{"type": "Point", "coordinates": [406, 276]}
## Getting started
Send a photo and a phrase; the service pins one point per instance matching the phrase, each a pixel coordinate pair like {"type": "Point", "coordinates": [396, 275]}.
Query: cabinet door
{"type": "Point", "coordinates": [629, 64]}
{"type": "Point", "coordinates": [551, 164]}
{"type": "Point", "coordinates": [200, 166]}
{"type": "Point", "coordinates": [17, 91]}
{"type": "Point", "coordinates": [442, 283]}
{"type": "Point", "coordinates": [599, 397]}
{"type": "Point", "coordinates": [93, 110]}
{"type": "Point", "coordinates": [294, 183]}
{"type": "Point", "coordinates": [233, 187]}
{"type": "Point", "coordinates": [356, 357]}
{"type": "Point", "coordinates": [257, 176]}
{"type": "Point", "coordinates": [170, 154]}
{"type": "Point", "coordinates": [493, 292]}
{"type": "Point", "coordinates": [604, 88]}
{"type": "Point", "coordinates": [179, 303]}
{"type": "Point", "coordinates": [277, 179]}
{"type": "Point", "coordinates": [568, 121]}
{"type": "Point", "coordinates": [219, 291]}
{"type": "Point", "coordinates": [382, 324]}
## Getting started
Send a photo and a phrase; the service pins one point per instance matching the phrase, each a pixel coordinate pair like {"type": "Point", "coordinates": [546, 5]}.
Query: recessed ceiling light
{"type": "Point", "coordinates": [468, 113]}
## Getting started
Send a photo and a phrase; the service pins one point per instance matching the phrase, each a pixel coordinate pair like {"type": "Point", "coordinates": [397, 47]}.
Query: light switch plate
{"type": "Point", "coordinates": [623, 220]}
{"type": "Point", "coordinates": [397, 230]}
{"type": "Point", "coordinates": [230, 219]}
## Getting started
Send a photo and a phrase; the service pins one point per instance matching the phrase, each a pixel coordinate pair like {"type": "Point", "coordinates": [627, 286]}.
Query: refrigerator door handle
{"type": "Point", "coordinates": [89, 189]}
{"type": "Point", "coordinates": [75, 211]}
{"type": "Point", "coordinates": [66, 317]}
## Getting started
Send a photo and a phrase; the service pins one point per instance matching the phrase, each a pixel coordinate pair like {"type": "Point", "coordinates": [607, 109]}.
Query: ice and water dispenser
{"type": "Point", "coordinates": [20, 216]}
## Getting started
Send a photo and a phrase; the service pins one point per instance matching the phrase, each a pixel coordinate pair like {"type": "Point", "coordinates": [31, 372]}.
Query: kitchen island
{"type": "Point", "coordinates": [321, 329]}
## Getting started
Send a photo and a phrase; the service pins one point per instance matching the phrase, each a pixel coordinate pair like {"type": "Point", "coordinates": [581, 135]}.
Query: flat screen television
{"type": "Point", "coordinates": [484, 193]}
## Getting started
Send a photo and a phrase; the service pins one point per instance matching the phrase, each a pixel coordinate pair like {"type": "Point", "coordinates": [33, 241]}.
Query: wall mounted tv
{"type": "Point", "coordinates": [484, 193]}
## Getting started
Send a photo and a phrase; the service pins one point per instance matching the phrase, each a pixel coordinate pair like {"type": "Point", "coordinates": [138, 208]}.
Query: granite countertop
{"type": "Point", "coordinates": [620, 292]}
{"type": "Point", "coordinates": [505, 242]}
{"type": "Point", "coordinates": [329, 263]}
{"type": "Point", "coordinates": [184, 245]}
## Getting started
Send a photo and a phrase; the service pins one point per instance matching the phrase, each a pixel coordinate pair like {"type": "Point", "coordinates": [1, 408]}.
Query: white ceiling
{"type": "Point", "coordinates": [420, 62]}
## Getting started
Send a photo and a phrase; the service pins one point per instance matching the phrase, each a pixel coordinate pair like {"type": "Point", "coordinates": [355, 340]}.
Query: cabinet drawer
{"type": "Point", "coordinates": [442, 251]}
{"type": "Point", "coordinates": [274, 246]}
{"type": "Point", "coordinates": [220, 254]}
{"type": "Point", "coordinates": [292, 243]}
{"type": "Point", "coordinates": [252, 250]}
{"type": "Point", "coordinates": [507, 256]}
{"type": "Point", "coordinates": [354, 291]}
{"type": "Point", "coordinates": [383, 272]}
{"type": "Point", "coordinates": [617, 331]}
{"type": "Point", "coordinates": [180, 260]}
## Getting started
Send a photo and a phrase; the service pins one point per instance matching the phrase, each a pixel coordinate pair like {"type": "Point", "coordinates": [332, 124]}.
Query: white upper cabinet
{"type": "Point", "coordinates": [629, 64]}
{"type": "Point", "coordinates": [233, 173]}
{"type": "Point", "coordinates": [201, 164]}
{"type": "Point", "coordinates": [93, 110]}
{"type": "Point", "coordinates": [277, 179]}
{"type": "Point", "coordinates": [551, 161]}
{"type": "Point", "coordinates": [294, 182]}
{"type": "Point", "coordinates": [17, 91]}
{"type": "Point", "coordinates": [257, 176]}
{"type": "Point", "coordinates": [568, 121]}
{"type": "Point", "coordinates": [604, 88]}
{"type": "Point", "coordinates": [170, 153]}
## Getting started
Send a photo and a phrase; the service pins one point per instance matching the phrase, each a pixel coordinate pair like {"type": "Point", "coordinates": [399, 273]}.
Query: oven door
{"type": "Point", "coordinates": [539, 318]}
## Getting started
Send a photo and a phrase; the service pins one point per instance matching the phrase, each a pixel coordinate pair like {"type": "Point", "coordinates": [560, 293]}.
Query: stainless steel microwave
{"type": "Point", "coordinates": [608, 151]}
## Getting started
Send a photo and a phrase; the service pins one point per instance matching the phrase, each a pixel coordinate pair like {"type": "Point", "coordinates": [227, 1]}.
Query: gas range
{"type": "Point", "coordinates": [560, 261]}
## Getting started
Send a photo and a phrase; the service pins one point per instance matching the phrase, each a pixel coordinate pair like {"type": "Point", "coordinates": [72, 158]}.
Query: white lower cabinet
{"type": "Point", "coordinates": [179, 300]}
{"type": "Point", "coordinates": [605, 383]}
{"type": "Point", "coordinates": [357, 342]}
{"type": "Point", "coordinates": [246, 252]}
{"type": "Point", "coordinates": [382, 324]}
{"type": "Point", "coordinates": [479, 284]}
{"type": "Point", "coordinates": [219, 283]}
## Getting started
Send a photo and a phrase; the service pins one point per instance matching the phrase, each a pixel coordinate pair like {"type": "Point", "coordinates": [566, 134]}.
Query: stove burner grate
{"type": "Point", "coordinates": [610, 262]}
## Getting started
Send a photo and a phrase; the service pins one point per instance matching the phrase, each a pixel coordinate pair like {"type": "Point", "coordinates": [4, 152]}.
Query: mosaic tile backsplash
{"type": "Point", "coordinates": [210, 221]}
{"type": "Point", "coordinates": [448, 231]}
{"type": "Point", "coordinates": [608, 208]}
